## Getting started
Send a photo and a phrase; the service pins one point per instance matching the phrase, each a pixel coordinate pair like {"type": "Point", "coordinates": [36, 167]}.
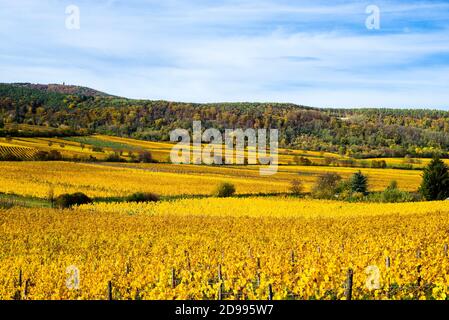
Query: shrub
{"type": "Point", "coordinates": [224, 190]}
{"type": "Point", "coordinates": [52, 155]}
{"type": "Point", "coordinates": [145, 157]}
{"type": "Point", "coordinates": [378, 164]}
{"type": "Point", "coordinates": [359, 183]}
{"type": "Point", "coordinates": [143, 197]}
{"type": "Point", "coordinates": [6, 204]}
{"type": "Point", "coordinates": [435, 183]}
{"type": "Point", "coordinates": [326, 186]}
{"type": "Point", "coordinates": [391, 195]}
{"type": "Point", "coordinates": [114, 157]}
{"type": "Point", "coordinates": [296, 187]}
{"type": "Point", "coordinates": [97, 149]}
{"type": "Point", "coordinates": [70, 200]}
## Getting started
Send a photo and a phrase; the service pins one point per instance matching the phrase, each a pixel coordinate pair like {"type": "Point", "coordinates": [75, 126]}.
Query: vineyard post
{"type": "Point", "coordinates": [219, 273]}
{"type": "Point", "coordinates": [445, 249]}
{"type": "Point", "coordinates": [418, 282]}
{"type": "Point", "coordinates": [26, 289]}
{"type": "Point", "coordinates": [258, 272]}
{"type": "Point", "coordinates": [20, 277]}
{"type": "Point", "coordinates": [18, 293]}
{"type": "Point", "coordinates": [292, 257]}
{"type": "Point", "coordinates": [187, 260]}
{"type": "Point", "coordinates": [109, 290]}
{"type": "Point", "coordinates": [348, 290]}
{"type": "Point", "coordinates": [220, 279]}
{"type": "Point", "coordinates": [387, 264]}
{"type": "Point", "coordinates": [173, 278]}
{"type": "Point", "coordinates": [270, 292]}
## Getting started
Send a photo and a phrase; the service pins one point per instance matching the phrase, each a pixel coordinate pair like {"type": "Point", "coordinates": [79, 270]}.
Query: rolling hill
{"type": "Point", "coordinates": [360, 133]}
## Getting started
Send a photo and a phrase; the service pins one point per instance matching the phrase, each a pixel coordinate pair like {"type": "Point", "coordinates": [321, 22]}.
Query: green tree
{"type": "Point", "coordinates": [435, 182]}
{"type": "Point", "coordinates": [296, 187]}
{"type": "Point", "coordinates": [359, 183]}
{"type": "Point", "coordinates": [224, 190]}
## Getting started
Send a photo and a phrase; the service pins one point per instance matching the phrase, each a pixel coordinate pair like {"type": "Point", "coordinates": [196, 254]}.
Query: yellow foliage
{"type": "Point", "coordinates": [302, 248]}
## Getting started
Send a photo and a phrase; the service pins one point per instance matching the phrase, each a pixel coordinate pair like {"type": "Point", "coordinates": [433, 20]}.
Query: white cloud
{"type": "Point", "coordinates": [200, 52]}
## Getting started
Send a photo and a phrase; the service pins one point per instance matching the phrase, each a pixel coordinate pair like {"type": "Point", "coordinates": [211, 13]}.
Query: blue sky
{"type": "Point", "coordinates": [316, 53]}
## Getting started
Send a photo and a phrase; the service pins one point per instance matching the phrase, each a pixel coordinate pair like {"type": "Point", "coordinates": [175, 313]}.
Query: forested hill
{"type": "Point", "coordinates": [356, 132]}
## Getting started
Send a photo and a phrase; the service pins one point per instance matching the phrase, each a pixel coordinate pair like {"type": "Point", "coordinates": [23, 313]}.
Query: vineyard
{"type": "Point", "coordinates": [261, 243]}
{"type": "Point", "coordinates": [101, 147]}
{"type": "Point", "coordinates": [226, 249]}
{"type": "Point", "coordinates": [9, 152]}
{"type": "Point", "coordinates": [100, 180]}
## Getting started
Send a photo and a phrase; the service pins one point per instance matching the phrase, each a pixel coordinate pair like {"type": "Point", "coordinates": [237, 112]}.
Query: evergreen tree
{"type": "Point", "coordinates": [359, 183]}
{"type": "Point", "coordinates": [435, 183]}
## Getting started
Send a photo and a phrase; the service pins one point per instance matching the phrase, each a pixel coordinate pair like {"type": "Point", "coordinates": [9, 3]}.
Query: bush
{"type": "Point", "coordinates": [326, 186]}
{"type": "Point", "coordinates": [359, 183]}
{"type": "Point", "coordinates": [392, 195]}
{"type": "Point", "coordinates": [296, 187]}
{"type": "Point", "coordinates": [6, 204]}
{"type": "Point", "coordinates": [114, 157]}
{"type": "Point", "coordinates": [97, 149]}
{"type": "Point", "coordinates": [70, 200]}
{"type": "Point", "coordinates": [224, 190]}
{"type": "Point", "coordinates": [145, 157]}
{"type": "Point", "coordinates": [142, 197]}
{"type": "Point", "coordinates": [435, 183]}
{"type": "Point", "coordinates": [52, 155]}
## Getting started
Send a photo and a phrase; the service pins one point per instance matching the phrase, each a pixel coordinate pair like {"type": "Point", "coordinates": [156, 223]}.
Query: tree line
{"type": "Point", "coordinates": [359, 133]}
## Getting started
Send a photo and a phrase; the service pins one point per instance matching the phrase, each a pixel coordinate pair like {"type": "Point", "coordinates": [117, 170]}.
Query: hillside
{"type": "Point", "coordinates": [61, 88]}
{"type": "Point", "coordinates": [359, 133]}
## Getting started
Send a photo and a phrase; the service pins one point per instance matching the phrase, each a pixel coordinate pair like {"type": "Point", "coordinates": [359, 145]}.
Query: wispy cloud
{"type": "Point", "coordinates": [309, 52]}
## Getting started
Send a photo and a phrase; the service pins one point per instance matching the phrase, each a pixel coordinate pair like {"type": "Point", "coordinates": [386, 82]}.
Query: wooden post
{"type": "Point", "coordinates": [187, 259]}
{"type": "Point", "coordinates": [220, 280]}
{"type": "Point", "coordinates": [220, 291]}
{"type": "Point", "coordinates": [219, 273]}
{"type": "Point", "coordinates": [109, 290]}
{"type": "Point", "coordinates": [26, 289]}
{"type": "Point", "coordinates": [292, 257]}
{"type": "Point", "coordinates": [20, 278]}
{"type": "Point", "coordinates": [445, 249]}
{"type": "Point", "coordinates": [173, 278]}
{"type": "Point", "coordinates": [418, 253]}
{"type": "Point", "coordinates": [348, 289]}
{"type": "Point", "coordinates": [418, 281]}
{"type": "Point", "coordinates": [388, 264]}
{"type": "Point", "coordinates": [258, 273]}
{"type": "Point", "coordinates": [270, 292]}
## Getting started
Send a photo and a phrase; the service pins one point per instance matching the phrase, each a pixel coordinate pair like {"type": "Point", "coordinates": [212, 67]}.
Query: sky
{"type": "Point", "coordinates": [316, 53]}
